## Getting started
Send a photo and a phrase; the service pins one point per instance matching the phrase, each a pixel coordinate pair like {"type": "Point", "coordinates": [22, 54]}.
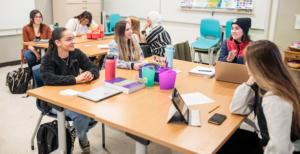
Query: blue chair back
{"type": "Point", "coordinates": [113, 19]}
{"type": "Point", "coordinates": [210, 27]}
{"type": "Point", "coordinates": [38, 82]}
{"type": "Point", "coordinates": [228, 29]}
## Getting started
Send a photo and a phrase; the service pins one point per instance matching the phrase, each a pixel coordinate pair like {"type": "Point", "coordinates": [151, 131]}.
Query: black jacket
{"type": "Point", "coordinates": [50, 68]}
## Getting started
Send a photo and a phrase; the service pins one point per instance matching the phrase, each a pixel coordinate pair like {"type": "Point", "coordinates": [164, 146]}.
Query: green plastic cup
{"type": "Point", "coordinates": [148, 74]}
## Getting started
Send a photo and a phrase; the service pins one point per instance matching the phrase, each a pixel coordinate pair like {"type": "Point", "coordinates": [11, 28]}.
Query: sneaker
{"type": "Point", "coordinates": [85, 147]}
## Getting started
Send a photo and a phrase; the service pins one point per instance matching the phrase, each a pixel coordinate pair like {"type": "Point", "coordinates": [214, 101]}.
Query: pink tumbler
{"type": "Point", "coordinates": [110, 67]}
{"type": "Point", "coordinates": [167, 78]}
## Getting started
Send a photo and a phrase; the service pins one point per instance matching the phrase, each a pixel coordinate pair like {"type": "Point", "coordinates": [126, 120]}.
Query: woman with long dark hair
{"type": "Point", "coordinates": [274, 96]}
{"type": "Point", "coordinates": [34, 30]}
{"type": "Point", "coordinates": [80, 24]}
{"type": "Point", "coordinates": [60, 67]}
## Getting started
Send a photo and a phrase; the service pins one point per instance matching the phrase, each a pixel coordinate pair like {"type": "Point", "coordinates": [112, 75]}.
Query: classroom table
{"type": "Point", "coordinates": [79, 43]}
{"type": "Point", "coordinates": [144, 113]}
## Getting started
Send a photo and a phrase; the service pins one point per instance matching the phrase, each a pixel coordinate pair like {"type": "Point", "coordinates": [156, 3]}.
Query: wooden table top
{"type": "Point", "coordinates": [80, 43]}
{"type": "Point", "coordinates": [144, 113]}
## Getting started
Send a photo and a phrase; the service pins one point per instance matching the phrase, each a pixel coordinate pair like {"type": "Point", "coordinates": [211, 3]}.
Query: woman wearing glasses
{"type": "Point", "coordinates": [34, 30]}
{"type": "Point", "coordinates": [60, 67]}
{"type": "Point", "coordinates": [80, 24]}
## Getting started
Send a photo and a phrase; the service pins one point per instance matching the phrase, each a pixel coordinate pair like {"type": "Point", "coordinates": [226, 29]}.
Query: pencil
{"type": "Point", "coordinates": [214, 109]}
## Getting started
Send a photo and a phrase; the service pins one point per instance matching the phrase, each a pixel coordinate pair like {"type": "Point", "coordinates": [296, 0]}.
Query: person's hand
{"type": "Point", "coordinates": [84, 77]}
{"type": "Point", "coordinates": [231, 56]}
{"type": "Point", "coordinates": [146, 26]}
{"type": "Point", "coordinates": [38, 51]}
{"type": "Point", "coordinates": [250, 81]}
{"type": "Point", "coordinates": [264, 147]}
{"type": "Point", "coordinates": [137, 65]}
{"type": "Point", "coordinates": [37, 56]}
{"type": "Point", "coordinates": [78, 34]}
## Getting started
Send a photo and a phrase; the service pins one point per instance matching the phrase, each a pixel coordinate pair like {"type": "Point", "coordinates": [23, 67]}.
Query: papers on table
{"type": "Point", "coordinates": [69, 92]}
{"type": "Point", "coordinates": [41, 41]}
{"type": "Point", "coordinates": [203, 71]}
{"type": "Point", "coordinates": [88, 45]}
{"type": "Point", "coordinates": [195, 99]}
{"type": "Point", "coordinates": [177, 71]}
{"type": "Point", "coordinates": [102, 46]}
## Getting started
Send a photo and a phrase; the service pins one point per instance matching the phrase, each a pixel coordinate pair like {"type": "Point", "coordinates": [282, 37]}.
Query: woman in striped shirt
{"type": "Point", "coordinates": [158, 38]}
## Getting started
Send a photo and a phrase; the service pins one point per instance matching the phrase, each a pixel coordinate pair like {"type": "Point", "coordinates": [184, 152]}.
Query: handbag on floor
{"type": "Point", "coordinates": [18, 80]}
{"type": "Point", "coordinates": [47, 137]}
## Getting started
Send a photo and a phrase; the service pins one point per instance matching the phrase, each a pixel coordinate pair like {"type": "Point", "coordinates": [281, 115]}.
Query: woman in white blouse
{"type": "Point", "coordinates": [273, 94]}
{"type": "Point", "coordinates": [81, 24]}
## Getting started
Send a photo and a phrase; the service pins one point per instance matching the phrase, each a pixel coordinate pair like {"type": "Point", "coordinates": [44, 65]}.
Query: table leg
{"type": "Point", "coordinates": [62, 147]}
{"type": "Point", "coordinates": [42, 52]}
{"type": "Point", "coordinates": [140, 148]}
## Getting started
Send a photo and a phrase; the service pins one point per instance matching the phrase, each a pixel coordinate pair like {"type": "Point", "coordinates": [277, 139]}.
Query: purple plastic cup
{"type": "Point", "coordinates": [167, 78]}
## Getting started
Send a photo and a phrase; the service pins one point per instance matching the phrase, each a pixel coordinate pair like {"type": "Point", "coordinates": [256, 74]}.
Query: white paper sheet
{"type": "Point", "coordinates": [102, 46]}
{"type": "Point", "coordinates": [69, 92]}
{"type": "Point", "coordinates": [195, 99]}
{"type": "Point", "coordinates": [177, 71]}
{"type": "Point", "coordinates": [88, 45]}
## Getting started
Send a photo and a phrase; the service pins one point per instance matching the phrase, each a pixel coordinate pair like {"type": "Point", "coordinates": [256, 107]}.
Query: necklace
{"type": "Point", "coordinates": [65, 61]}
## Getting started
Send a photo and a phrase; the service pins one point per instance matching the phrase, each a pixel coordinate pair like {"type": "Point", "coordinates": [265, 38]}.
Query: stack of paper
{"type": "Point", "coordinates": [102, 46]}
{"type": "Point", "coordinates": [203, 71]}
{"type": "Point", "coordinates": [69, 92]}
{"type": "Point", "coordinates": [195, 99]}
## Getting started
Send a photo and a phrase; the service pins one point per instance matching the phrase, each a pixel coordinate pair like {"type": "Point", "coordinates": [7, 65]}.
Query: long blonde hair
{"type": "Point", "coordinates": [135, 26]}
{"type": "Point", "coordinates": [125, 45]}
{"type": "Point", "coordinates": [266, 65]}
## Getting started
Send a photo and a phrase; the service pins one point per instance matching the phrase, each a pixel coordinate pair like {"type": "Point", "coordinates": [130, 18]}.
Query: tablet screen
{"type": "Point", "coordinates": [181, 106]}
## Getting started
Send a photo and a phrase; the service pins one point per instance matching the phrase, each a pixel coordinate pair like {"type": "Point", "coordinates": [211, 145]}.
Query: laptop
{"type": "Point", "coordinates": [99, 94]}
{"type": "Point", "coordinates": [190, 117]}
{"type": "Point", "coordinates": [231, 72]}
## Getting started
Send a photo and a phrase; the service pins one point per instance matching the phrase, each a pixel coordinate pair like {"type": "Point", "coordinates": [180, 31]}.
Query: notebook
{"type": "Point", "coordinates": [99, 94]}
{"type": "Point", "coordinates": [41, 41]}
{"type": "Point", "coordinates": [125, 85]}
{"type": "Point", "coordinates": [203, 72]}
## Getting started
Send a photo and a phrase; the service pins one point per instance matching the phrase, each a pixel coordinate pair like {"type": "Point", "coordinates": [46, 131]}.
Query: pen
{"type": "Point", "coordinates": [214, 109]}
{"type": "Point", "coordinates": [205, 70]}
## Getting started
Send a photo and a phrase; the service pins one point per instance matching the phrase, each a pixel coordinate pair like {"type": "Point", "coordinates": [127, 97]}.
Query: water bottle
{"type": "Point", "coordinates": [110, 67]}
{"type": "Point", "coordinates": [56, 26]}
{"type": "Point", "coordinates": [169, 53]}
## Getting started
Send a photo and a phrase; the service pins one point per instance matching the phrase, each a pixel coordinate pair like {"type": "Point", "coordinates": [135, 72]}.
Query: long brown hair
{"type": "Point", "coordinates": [125, 45]}
{"type": "Point", "coordinates": [135, 26]}
{"type": "Point", "coordinates": [31, 15]}
{"type": "Point", "coordinates": [266, 65]}
{"type": "Point", "coordinates": [86, 15]}
{"type": "Point", "coordinates": [57, 34]}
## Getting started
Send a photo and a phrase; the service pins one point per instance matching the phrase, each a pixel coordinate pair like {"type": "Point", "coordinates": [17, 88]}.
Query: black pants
{"type": "Point", "coordinates": [242, 141]}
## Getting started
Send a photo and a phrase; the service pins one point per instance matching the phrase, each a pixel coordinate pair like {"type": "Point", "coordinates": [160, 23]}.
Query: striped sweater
{"type": "Point", "coordinates": [158, 38]}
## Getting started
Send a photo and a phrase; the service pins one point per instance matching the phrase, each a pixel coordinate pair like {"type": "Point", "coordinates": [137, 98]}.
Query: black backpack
{"type": "Point", "coordinates": [47, 137]}
{"type": "Point", "coordinates": [18, 80]}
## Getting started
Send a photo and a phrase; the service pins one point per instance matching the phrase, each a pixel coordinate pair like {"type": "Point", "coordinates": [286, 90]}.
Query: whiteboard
{"type": "Point", "coordinates": [170, 12]}
{"type": "Point", "coordinates": [14, 14]}
{"type": "Point", "coordinates": [138, 8]}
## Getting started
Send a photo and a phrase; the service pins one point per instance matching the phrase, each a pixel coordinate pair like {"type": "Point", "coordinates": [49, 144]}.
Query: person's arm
{"type": "Point", "coordinates": [238, 60]}
{"type": "Point", "coordinates": [164, 38]}
{"type": "Point", "coordinates": [144, 33]}
{"type": "Point", "coordinates": [49, 77]}
{"type": "Point", "coordinates": [278, 114]}
{"type": "Point", "coordinates": [87, 65]}
{"type": "Point", "coordinates": [224, 52]}
{"type": "Point", "coordinates": [71, 25]}
{"type": "Point", "coordinates": [49, 32]}
{"type": "Point", "coordinates": [114, 50]}
{"type": "Point", "coordinates": [243, 100]}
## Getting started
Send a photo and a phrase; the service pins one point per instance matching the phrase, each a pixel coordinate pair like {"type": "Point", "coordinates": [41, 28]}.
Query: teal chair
{"type": "Point", "coordinates": [228, 29]}
{"type": "Point", "coordinates": [113, 19]}
{"type": "Point", "coordinates": [210, 39]}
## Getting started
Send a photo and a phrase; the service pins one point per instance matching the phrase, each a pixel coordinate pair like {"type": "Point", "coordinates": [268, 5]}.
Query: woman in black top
{"type": "Point", "coordinates": [60, 67]}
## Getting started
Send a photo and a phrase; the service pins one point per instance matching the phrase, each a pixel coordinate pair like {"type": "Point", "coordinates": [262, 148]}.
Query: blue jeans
{"type": "Point", "coordinates": [29, 57]}
{"type": "Point", "coordinates": [81, 123]}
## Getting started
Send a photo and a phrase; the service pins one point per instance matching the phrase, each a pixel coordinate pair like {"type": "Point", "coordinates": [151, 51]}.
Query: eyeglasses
{"type": "Point", "coordinates": [70, 39]}
{"type": "Point", "coordinates": [84, 21]}
{"type": "Point", "coordinates": [38, 17]}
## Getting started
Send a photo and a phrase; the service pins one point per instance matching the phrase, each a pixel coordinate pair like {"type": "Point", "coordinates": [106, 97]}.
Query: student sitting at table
{"type": "Point", "coordinates": [158, 38]}
{"type": "Point", "coordinates": [34, 30]}
{"type": "Point", "coordinates": [125, 47]}
{"type": "Point", "coordinates": [273, 94]}
{"type": "Point", "coordinates": [60, 67]}
{"type": "Point", "coordinates": [135, 26]}
{"type": "Point", "coordinates": [232, 49]}
{"type": "Point", "coordinates": [81, 24]}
